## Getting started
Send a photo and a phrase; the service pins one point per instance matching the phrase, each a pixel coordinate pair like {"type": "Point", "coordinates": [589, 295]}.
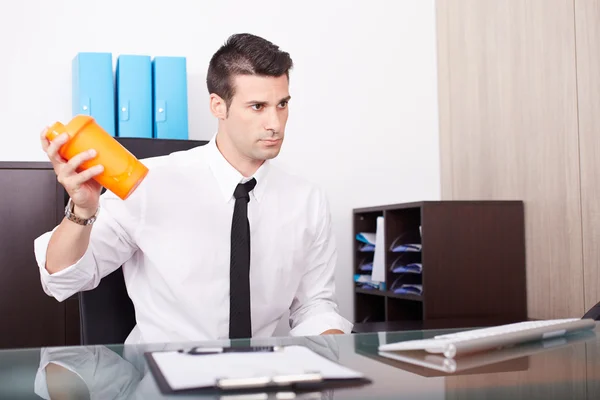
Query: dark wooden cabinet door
{"type": "Point", "coordinates": [30, 204]}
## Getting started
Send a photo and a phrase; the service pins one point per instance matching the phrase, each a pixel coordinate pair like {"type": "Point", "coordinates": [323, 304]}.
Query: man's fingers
{"type": "Point", "coordinates": [77, 180]}
{"type": "Point", "coordinates": [54, 146]}
{"type": "Point", "coordinates": [79, 159]}
{"type": "Point", "coordinates": [44, 139]}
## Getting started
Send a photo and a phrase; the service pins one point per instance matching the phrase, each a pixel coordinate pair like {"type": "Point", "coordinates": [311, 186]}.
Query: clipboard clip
{"type": "Point", "coordinates": [260, 382]}
{"type": "Point", "coordinates": [198, 351]}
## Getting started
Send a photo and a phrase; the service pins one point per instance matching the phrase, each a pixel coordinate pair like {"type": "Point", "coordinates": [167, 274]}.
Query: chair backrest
{"type": "Point", "coordinates": [106, 313]}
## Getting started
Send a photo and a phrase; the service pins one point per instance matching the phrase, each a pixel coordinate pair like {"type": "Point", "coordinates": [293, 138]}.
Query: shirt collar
{"type": "Point", "coordinates": [228, 177]}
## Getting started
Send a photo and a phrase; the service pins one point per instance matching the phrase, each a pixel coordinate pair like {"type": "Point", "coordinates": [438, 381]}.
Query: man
{"type": "Point", "coordinates": [216, 242]}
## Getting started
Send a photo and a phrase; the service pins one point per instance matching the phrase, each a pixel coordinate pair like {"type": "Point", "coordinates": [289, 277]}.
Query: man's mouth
{"type": "Point", "coordinates": [270, 141]}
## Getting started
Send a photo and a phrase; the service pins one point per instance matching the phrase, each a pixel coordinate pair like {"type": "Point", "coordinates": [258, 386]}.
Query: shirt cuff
{"type": "Point", "coordinates": [319, 323]}
{"type": "Point", "coordinates": [40, 385]}
{"type": "Point", "coordinates": [64, 283]}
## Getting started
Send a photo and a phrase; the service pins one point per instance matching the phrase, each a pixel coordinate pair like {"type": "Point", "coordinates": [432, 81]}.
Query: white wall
{"type": "Point", "coordinates": [363, 120]}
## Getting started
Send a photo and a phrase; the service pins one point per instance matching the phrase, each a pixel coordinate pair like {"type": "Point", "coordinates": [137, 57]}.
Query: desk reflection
{"type": "Point", "coordinates": [121, 372]}
{"type": "Point", "coordinates": [560, 368]}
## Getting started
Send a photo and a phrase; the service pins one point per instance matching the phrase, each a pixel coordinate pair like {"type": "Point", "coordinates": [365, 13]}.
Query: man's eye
{"type": "Point", "coordinates": [283, 104]}
{"type": "Point", "coordinates": [257, 107]}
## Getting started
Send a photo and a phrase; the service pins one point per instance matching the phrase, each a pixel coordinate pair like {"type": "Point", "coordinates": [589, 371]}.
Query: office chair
{"type": "Point", "coordinates": [106, 313]}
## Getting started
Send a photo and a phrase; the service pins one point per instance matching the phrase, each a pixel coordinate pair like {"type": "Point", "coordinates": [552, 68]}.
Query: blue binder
{"type": "Point", "coordinates": [170, 97]}
{"type": "Point", "coordinates": [93, 88]}
{"type": "Point", "coordinates": [134, 96]}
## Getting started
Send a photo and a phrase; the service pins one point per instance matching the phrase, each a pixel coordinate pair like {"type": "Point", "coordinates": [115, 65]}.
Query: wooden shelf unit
{"type": "Point", "coordinates": [472, 256]}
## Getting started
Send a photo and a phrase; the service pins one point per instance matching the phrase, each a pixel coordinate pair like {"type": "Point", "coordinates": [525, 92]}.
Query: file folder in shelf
{"type": "Point", "coordinates": [366, 237]}
{"type": "Point", "coordinates": [366, 242]}
{"type": "Point", "coordinates": [407, 284]}
{"type": "Point", "coordinates": [409, 289]}
{"type": "Point", "coordinates": [265, 369]}
{"type": "Point", "coordinates": [134, 96]}
{"type": "Point", "coordinates": [92, 88]}
{"type": "Point", "coordinates": [170, 98]}
{"type": "Point", "coordinates": [398, 246]}
{"type": "Point", "coordinates": [366, 265]}
{"type": "Point", "coordinates": [378, 272]}
{"type": "Point", "coordinates": [364, 281]}
{"type": "Point", "coordinates": [410, 268]}
{"type": "Point", "coordinates": [366, 248]}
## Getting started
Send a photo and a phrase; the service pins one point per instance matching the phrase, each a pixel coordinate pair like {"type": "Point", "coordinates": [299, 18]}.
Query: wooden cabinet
{"type": "Point", "coordinates": [31, 203]}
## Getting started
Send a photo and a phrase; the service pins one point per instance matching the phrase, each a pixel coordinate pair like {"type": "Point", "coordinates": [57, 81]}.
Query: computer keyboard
{"type": "Point", "coordinates": [499, 330]}
{"type": "Point", "coordinates": [488, 338]}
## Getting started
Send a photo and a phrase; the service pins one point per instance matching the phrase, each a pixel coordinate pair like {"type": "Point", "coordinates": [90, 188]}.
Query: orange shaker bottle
{"type": "Point", "coordinates": [123, 172]}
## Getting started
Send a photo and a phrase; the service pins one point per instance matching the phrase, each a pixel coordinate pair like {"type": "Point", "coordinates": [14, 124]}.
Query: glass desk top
{"type": "Point", "coordinates": [554, 369]}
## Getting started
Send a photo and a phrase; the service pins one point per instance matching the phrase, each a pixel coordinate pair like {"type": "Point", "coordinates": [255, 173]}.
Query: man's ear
{"type": "Point", "coordinates": [218, 107]}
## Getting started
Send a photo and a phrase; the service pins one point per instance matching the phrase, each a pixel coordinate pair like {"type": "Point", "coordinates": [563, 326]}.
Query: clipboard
{"type": "Point", "coordinates": [307, 380]}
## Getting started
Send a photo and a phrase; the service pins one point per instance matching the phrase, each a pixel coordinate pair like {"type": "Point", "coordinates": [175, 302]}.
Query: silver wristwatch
{"type": "Point", "coordinates": [70, 215]}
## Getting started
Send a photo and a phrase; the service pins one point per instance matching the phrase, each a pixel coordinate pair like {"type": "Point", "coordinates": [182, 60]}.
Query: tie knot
{"type": "Point", "coordinates": [242, 189]}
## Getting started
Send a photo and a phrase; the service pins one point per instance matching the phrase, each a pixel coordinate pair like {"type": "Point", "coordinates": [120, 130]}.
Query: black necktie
{"type": "Point", "coordinates": [240, 325]}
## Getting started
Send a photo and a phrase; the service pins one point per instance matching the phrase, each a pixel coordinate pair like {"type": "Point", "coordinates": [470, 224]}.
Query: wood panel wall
{"type": "Point", "coordinates": [518, 91]}
{"type": "Point", "coordinates": [587, 23]}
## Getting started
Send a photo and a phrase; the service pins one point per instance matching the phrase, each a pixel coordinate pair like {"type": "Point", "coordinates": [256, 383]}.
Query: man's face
{"type": "Point", "coordinates": [257, 115]}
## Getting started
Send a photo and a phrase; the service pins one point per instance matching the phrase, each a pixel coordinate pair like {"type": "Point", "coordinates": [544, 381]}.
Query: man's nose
{"type": "Point", "coordinates": [272, 122]}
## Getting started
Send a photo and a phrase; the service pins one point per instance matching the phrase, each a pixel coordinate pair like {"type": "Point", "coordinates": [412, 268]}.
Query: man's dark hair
{"type": "Point", "coordinates": [244, 54]}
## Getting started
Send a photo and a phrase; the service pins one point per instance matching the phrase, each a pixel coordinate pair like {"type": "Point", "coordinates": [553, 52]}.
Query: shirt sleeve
{"type": "Point", "coordinates": [314, 309]}
{"type": "Point", "coordinates": [112, 243]}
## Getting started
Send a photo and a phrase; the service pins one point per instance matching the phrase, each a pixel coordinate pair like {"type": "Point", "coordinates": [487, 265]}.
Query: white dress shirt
{"type": "Point", "coordinates": [172, 237]}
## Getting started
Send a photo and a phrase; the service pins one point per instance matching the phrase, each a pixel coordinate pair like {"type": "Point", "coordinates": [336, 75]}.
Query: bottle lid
{"type": "Point", "coordinates": [55, 131]}
{"type": "Point", "coordinates": [76, 124]}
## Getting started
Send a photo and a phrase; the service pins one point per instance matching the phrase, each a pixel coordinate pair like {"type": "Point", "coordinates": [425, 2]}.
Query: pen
{"type": "Point", "coordinates": [220, 350]}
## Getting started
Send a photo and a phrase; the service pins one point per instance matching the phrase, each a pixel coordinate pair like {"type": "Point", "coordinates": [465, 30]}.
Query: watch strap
{"type": "Point", "coordinates": [71, 216]}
